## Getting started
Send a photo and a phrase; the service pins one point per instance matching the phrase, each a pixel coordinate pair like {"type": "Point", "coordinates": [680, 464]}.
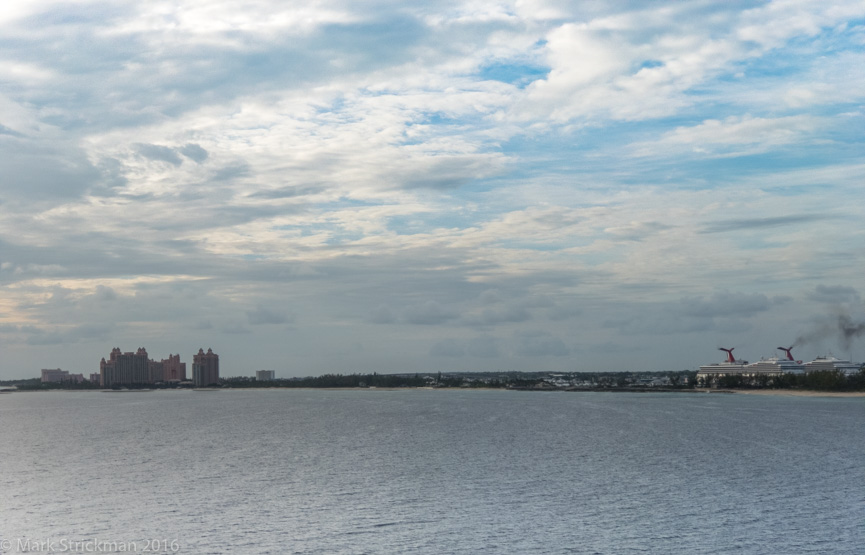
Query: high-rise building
{"type": "Point", "coordinates": [173, 369]}
{"type": "Point", "coordinates": [125, 368]}
{"type": "Point", "coordinates": [264, 375]}
{"type": "Point", "coordinates": [136, 368]}
{"type": "Point", "coordinates": [96, 378]}
{"type": "Point", "coordinates": [205, 368]}
{"type": "Point", "coordinates": [155, 371]}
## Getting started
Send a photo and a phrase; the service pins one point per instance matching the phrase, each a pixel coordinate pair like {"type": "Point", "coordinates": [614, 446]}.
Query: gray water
{"type": "Point", "coordinates": [419, 471]}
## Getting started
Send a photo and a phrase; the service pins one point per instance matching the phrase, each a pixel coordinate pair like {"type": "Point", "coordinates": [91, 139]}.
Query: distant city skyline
{"type": "Point", "coordinates": [136, 368]}
{"type": "Point", "coordinates": [316, 187]}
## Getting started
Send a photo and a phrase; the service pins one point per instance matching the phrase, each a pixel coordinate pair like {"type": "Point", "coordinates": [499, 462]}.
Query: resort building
{"type": "Point", "coordinates": [173, 369]}
{"type": "Point", "coordinates": [205, 368]}
{"type": "Point", "coordinates": [155, 371]}
{"type": "Point", "coordinates": [136, 368]}
{"type": "Point", "coordinates": [125, 368]}
{"type": "Point", "coordinates": [57, 375]}
{"type": "Point", "coordinates": [264, 375]}
{"type": "Point", "coordinates": [53, 376]}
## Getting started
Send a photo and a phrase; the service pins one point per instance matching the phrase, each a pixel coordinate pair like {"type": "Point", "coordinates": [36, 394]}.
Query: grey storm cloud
{"type": "Point", "coordinates": [382, 315]}
{"type": "Point", "coordinates": [47, 172]}
{"type": "Point", "coordinates": [89, 331]}
{"type": "Point", "coordinates": [146, 304]}
{"type": "Point", "coordinates": [287, 192]}
{"type": "Point", "coordinates": [11, 132]}
{"type": "Point", "coordinates": [14, 328]}
{"type": "Point", "coordinates": [497, 310]}
{"type": "Point", "coordinates": [740, 224]}
{"type": "Point", "coordinates": [539, 344]}
{"type": "Point", "coordinates": [159, 153]}
{"type": "Point", "coordinates": [450, 172]}
{"type": "Point", "coordinates": [105, 293]}
{"type": "Point", "coordinates": [262, 316]}
{"type": "Point", "coordinates": [724, 304]}
{"type": "Point", "coordinates": [565, 311]}
{"type": "Point", "coordinates": [638, 231]}
{"type": "Point", "coordinates": [240, 65]}
{"type": "Point", "coordinates": [479, 347]}
{"type": "Point", "coordinates": [448, 348]}
{"type": "Point", "coordinates": [194, 152]}
{"type": "Point", "coordinates": [490, 296]}
{"type": "Point", "coordinates": [429, 313]}
{"type": "Point", "coordinates": [724, 311]}
{"type": "Point", "coordinates": [232, 171]}
{"type": "Point", "coordinates": [658, 321]}
{"type": "Point", "coordinates": [93, 254]}
{"type": "Point", "coordinates": [490, 316]}
{"type": "Point", "coordinates": [83, 332]}
{"type": "Point", "coordinates": [45, 339]}
{"type": "Point", "coordinates": [483, 347]}
{"type": "Point", "coordinates": [234, 328]}
{"type": "Point", "coordinates": [835, 294]}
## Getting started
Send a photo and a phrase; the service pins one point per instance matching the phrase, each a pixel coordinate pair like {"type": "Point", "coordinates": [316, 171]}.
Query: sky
{"type": "Point", "coordinates": [336, 186]}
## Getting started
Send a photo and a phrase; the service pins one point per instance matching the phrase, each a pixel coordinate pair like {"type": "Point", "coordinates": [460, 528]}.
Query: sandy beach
{"type": "Point", "coordinates": [790, 392]}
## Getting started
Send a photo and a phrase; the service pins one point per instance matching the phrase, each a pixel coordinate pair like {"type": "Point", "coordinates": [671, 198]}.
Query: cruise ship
{"type": "Point", "coordinates": [729, 366]}
{"type": "Point", "coordinates": [777, 365]}
{"type": "Point", "coordinates": [831, 363]}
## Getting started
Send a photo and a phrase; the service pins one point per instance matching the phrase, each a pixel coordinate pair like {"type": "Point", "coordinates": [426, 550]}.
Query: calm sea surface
{"type": "Point", "coordinates": [420, 471]}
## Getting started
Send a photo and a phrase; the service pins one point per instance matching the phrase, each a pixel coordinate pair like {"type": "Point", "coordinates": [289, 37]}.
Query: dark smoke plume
{"type": "Point", "coordinates": [842, 327]}
{"type": "Point", "coordinates": [850, 330]}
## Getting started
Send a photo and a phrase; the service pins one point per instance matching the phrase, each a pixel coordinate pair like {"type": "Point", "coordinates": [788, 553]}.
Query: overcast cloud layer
{"type": "Point", "coordinates": [331, 186]}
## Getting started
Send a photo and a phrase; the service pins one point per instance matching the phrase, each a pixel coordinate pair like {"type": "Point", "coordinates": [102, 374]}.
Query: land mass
{"type": "Point", "coordinates": [812, 383]}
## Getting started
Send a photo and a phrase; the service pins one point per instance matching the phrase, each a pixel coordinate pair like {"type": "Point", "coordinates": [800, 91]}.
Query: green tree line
{"type": "Point", "coordinates": [823, 380]}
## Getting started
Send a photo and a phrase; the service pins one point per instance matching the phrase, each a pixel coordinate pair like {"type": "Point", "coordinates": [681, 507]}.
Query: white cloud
{"type": "Point", "coordinates": [645, 64]}
{"type": "Point", "coordinates": [400, 175]}
{"type": "Point", "coordinates": [734, 136]}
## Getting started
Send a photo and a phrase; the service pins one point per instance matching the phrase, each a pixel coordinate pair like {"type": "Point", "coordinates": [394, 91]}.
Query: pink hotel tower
{"type": "Point", "coordinates": [136, 368]}
{"type": "Point", "coordinates": [205, 368]}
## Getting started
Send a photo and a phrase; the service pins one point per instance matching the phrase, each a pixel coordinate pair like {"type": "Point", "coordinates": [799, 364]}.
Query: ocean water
{"type": "Point", "coordinates": [421, 471]}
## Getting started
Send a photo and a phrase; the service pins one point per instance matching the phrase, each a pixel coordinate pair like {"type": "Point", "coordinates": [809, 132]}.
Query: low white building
{"type": "Point", "coordinates": [57, 375]}
{"type": "Point", "coordinates": [265, 375]}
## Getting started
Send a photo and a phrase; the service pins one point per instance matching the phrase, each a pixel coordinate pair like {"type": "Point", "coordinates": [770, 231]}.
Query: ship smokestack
{"type": "Point", "coordinates": [729, 352]}
{"type": "Point", "coordinates": [789, 354]}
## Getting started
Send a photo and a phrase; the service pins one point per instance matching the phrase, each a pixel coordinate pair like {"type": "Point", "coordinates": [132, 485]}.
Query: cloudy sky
{"type": "Point", "coordinates": [335, 186]}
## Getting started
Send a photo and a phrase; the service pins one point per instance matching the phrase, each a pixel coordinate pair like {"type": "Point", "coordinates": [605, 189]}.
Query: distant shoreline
{"type": "Point", "coordinates": [770, 392]}
{"type": "Point", "coordinates": [791, 392]}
